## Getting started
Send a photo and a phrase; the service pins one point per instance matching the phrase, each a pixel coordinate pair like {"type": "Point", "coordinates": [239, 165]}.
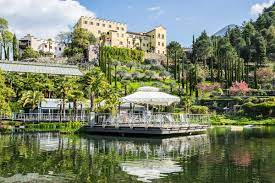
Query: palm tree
{"type": "Point", "coordinates": [48, 88]}
{"type": "Point", "coordinates": [31, 99]}
{"type": "Point", "coordinates": [94, 83]}
{"type": "Point", "coordinates": [64, 86]}
{"type": "Point", "coordinates": [75, 96]}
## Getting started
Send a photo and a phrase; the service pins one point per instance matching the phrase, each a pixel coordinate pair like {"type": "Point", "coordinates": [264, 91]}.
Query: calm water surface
{"type": "Point", "coordinates": [221, 155]}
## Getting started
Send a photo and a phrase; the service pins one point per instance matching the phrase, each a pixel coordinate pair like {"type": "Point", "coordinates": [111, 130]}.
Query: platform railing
{"type": "Point", "coordinates": [155, 119]}
{"type": "Point", "coordinates": [43, 117]}
{"type": "Point", "coordinates": [105, 119]}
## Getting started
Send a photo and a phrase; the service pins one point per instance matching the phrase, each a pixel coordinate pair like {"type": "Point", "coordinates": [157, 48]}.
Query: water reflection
{"type": "Point", "coordinates": [221, 155]}
{"type": "Point", "coordinates": [147, 170]}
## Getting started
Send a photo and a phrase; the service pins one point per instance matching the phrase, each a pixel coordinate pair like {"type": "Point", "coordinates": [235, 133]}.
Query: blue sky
{"type": "Point", "coordinates": [182, 18]}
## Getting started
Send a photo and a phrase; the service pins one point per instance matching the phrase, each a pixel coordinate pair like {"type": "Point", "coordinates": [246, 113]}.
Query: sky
{"type": "Point", "coordinates": [182, 18]}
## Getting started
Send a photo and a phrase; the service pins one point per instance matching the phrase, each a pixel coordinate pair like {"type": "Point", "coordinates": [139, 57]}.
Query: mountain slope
{"type": "Point", "coordinates": [223, 31]}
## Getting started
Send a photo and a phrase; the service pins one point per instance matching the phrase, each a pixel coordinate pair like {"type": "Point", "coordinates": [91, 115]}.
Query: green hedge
{"type": "Point", "coordinates": [122, 54]}
{"type": "Point", "coordinates": [196, 109]}
{"type": "Point", "coordinates": [264, 109]}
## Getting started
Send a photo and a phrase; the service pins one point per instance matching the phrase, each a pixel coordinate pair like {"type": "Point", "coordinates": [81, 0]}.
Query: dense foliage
{"type": "Point", "coordinates": [7, 39]}
{"type": "Point", "coordinates": [122, 54]}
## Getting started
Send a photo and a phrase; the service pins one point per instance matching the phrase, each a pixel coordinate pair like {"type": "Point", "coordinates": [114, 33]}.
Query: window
{"type": "Point", "coordinates": [99, 32]}
{"type": "Point", "coordinates": [103, 25]}
{"type": "Point", "coordinates": [45, 46]}
{"type": "Point", "coordinates": [59, 49]}
{"type": "Point", "coordinates": [55, 48]}
{"type": "Point", "coordinates": [97, 24]}
{"type": "Point", "coordinates": [163, 52]}
{"type": "Point", "coordinates": [122, 35]}
{"type": "Point", "coordinates": [85, 22]}
{"type": "Point", "coordinates": [158, 35]}
{"type": "Point", "coordinates": [117, 28]}
{"type": "Point", "coordinates": [147, 45]}
{"type": "Point", "coordinates": [110, 26]}
{"type": "Point", "coordinates": [129, 42]}
{"type": "Point", "coordinates": [143, 44]}
{"type": "Point", "coordinates": [153, 36]}
{"type": "Point", "coordinates": [159, 43]}
{"type": "Point", "coordinates": [162, 44]}
{"type": "Point", "coordinates": [162, 36]}
{"type": "Point", "coordinates": [92, 23]}
{"type": "Point", "coordinates": [158, 52]}
{"type": "Point", "coordinates": [122, 28]}
{"type": "Point", "coordinates": [121, 43]}
{"type": "Point", "coordinates": [117, 34]}
{"type": "Point", "coordinates": [51, 47]}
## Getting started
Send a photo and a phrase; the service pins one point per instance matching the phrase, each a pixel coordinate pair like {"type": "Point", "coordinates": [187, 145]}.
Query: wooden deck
{"type": "Point", "coordinates": [146, 130]}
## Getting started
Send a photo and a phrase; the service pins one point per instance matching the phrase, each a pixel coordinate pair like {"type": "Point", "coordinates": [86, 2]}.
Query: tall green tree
{"type": "Point", "coordinates": [248, 33]}
{"type": "Point", "coordinates": [75, 95]}
{"type": "Point", "coordinates": [175, 52]}
{"type": "Point", "coordinates": [31, 99]}
{"type": "Point", "coordinates": [203, 48]}
{"type": "Point", "coordinates": [15, 47]}
{"type": "Point", "coordinates": [30, 53]}
{"type": "Point", "coordinates": [6, 93]}
{"type": "Point", "coordinates": [80, 40]}
{"type": "Point", "coordinates": [94, 84]}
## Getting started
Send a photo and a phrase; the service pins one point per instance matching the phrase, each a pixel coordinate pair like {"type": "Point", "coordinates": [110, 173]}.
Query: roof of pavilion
{"type": "Point", "coordinates": [40, 68]}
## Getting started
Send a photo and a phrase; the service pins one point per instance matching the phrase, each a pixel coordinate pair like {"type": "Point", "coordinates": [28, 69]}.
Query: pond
{"type": "Point", "coordinates": [221, 155]}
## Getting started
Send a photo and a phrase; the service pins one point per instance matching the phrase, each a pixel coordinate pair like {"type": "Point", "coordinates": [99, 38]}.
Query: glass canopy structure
{"type": "Point", "coordinates": [40, 68]}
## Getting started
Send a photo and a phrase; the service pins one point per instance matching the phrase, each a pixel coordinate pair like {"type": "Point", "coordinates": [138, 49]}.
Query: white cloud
{"type": "Point", "coordinates": [258, 8]}
{"type": "Point", "coordinates": [42, 18]}
{"type": "Point", "coordinates": [156, 11]}
{"type": "Point", "coordinates": [154, 8]}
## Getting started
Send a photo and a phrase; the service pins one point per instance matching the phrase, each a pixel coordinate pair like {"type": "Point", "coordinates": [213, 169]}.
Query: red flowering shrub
{"type": "Point", "coordinates": [239, 88]}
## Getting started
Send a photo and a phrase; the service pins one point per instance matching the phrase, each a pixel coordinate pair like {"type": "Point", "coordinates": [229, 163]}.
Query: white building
{"type": "Point", "coordinates": [47, 46]}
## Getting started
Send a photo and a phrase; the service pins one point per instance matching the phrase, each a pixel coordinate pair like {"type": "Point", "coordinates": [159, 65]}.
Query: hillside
{"type": "Point", "coordinates": [265, 24]}
{"type": "Point", "coordinates": [224, 30]}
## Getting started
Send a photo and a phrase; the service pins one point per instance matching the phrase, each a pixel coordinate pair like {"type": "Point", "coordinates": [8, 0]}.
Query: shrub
{"type": "Point", "coordinates": [251, 99]}
{"type": "Point", "coordinates": [150, 61]}
{"type": "Point", "coordinates": [196, 109]}
{"type": "Point", "coordinates": [157, 67]}
{"type": "Point", "coordinates": [264, 109]}
{"type": "Point", "coordinates": [239, 88]}
{"type": "Point", "coordinates": [268, 86]}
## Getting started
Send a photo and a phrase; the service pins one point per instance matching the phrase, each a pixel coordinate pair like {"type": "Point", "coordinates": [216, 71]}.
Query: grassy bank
{"type": "Point", "coordinates": [68, 127]}
{"type": "Point", "coordinates": [238, 120]}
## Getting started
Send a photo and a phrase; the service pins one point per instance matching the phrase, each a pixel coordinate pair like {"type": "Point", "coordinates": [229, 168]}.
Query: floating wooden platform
{"type": "Point", "coordinates": [146, 130]}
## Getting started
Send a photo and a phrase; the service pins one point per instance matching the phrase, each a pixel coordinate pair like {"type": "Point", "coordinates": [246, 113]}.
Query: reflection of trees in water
{"type": "Point", "coordinates": [231, 157]}
{"type": "Point", "coordinates": [159, 148]}
{"type": "Point", "coordinates": [234, 157]}
{"type": "Point", "coordinates": [85, 159]}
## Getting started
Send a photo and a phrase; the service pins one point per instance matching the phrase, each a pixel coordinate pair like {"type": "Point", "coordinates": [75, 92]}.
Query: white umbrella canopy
{"type": "Point", "coordinates": [151, 96]}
